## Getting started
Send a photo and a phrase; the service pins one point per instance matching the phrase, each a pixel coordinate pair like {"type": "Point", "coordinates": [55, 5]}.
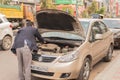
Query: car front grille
{"type": "Point", "coordinates": [43, 58]}
{"type": "Point", "coordinates": [48, 59]}
{"type": "Point", "coordinates": [43, 73]}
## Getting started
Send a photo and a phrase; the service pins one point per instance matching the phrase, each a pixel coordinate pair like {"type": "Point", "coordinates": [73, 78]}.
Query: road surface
{"type": "Point", "coordinates": [9, 68]}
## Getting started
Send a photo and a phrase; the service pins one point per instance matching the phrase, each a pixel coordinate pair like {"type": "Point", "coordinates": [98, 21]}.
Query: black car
{"type": "Point", "coordinates": [114, 25]}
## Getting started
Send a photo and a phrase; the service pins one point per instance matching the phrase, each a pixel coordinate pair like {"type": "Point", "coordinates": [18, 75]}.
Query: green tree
{"type": "Point", "coordinates": [101, 11]}
{"type": "Point", "coordinates": [47, 4]}
{"type": "Point", "coordinates": [84, 14]}
{"type": "Point", "coordinates": [1, 1]}
{"type": "Point", "coordinates": [5, 1]}
{"type": "Point", "coordinates": [93, 8]}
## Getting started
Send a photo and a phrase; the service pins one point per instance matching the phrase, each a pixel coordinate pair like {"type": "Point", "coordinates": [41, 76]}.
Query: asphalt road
{"type": "Point", "coordinates": [9, 70]}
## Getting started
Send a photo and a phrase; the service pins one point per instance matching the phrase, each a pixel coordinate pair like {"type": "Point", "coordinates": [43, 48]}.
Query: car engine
{"type": "Point", "coordinates": [55, 47]}
{"type": "Point", "coordinates": [59, 46]}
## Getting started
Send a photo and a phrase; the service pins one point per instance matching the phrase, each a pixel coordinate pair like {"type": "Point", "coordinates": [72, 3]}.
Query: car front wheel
{"type": "Point", "coordinates": [108, 57]}
{"type": "Point", "coordinates": [6, 42]}
{"type": "Point", "coordinates": [85, 70]}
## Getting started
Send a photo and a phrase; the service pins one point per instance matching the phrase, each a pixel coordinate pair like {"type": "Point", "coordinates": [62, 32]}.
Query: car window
{"type": "Point", "coordinates": [95, 30]}
{"type": "Point", "coordinates": [103, 27]}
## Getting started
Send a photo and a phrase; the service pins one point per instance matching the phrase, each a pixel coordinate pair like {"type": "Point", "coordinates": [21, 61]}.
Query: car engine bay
{"type": "Point", "coordinates": [58, 46]}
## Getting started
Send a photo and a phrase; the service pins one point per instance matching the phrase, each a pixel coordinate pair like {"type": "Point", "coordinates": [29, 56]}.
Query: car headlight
{"type": "Point", "coordinates": [68, 58]}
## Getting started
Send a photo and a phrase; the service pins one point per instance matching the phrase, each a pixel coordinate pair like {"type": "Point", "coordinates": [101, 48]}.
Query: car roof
{"type": "Point", "coordinates": [89, 19]}
{"type": "Point", "coordinates": [111, 19]}
{"type": "Point", "coordinates": [1, 15]}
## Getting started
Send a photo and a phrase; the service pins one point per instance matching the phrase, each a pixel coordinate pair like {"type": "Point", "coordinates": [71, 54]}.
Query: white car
{"type": "Point", "coordinates": [6, 33]}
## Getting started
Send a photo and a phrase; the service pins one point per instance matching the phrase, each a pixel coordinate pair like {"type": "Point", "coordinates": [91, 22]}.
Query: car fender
{"type": "Point", "coordinates": [5, 32]}
{"type": "Point", "coordinates": [83, 54]}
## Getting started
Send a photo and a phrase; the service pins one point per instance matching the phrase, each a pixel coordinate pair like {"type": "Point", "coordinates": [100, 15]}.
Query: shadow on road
{"type": "Point", "coordinates": [1, 49]}
{"type": "Point", "coordinates": [117, 48]}
{"type": "Point", "coordinates": [36, 78]}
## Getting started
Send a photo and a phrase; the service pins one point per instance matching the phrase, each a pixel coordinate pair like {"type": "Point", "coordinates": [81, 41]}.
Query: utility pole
{"type": "Point", "coordinates": [34, 10]}
{"type": "Point", "coordinates": [76, 8]}
{"type": "Point", "coordinates": [35, 23]}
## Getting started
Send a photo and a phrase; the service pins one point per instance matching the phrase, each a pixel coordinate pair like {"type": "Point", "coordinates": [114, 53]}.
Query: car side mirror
{"type": "Point", "coordinates": [98, 37]}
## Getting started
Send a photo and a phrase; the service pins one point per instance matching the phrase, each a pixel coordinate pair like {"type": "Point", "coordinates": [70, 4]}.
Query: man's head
{"type": "Point", "coordinates": [29, 23]}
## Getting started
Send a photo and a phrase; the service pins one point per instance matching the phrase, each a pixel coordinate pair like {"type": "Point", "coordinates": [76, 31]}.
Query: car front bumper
{"type": "Point", "coordinates": [59, 71]}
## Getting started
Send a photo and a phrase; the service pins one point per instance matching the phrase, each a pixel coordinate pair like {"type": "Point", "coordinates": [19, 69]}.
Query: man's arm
{"type": "Point", "coordinates": [39, 37]}
{"type": "Point", "coordinates": [13, 49]}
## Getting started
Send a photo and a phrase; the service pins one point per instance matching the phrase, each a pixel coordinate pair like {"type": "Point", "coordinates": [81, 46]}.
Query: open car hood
{"type": "Point", "coordinates": [57, 20]}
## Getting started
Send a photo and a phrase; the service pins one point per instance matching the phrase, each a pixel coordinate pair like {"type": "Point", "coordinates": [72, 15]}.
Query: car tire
{"type": "Point", "coordinates": [6, 43]}
{"type": "Point", "coordinates": [108, 57]}
{"type": "Point", "coordinates": [85, 70]}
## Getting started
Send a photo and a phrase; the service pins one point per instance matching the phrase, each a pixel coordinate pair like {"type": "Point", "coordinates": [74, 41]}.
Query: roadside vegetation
{"type": "Point", "coordinates": [47, 4]}
{"type": "Point", "coordinates": [93, 8]}
{"type": "Point", "coordinates": [5, 1]}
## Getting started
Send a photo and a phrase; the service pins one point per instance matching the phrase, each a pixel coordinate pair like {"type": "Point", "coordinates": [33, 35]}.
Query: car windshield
{"type": "Point", "coordinates": [113, 23]}
{"type": "Point", "coordinates": [62, 35]}
{"type": "Point", "coordinates": [85, 25]}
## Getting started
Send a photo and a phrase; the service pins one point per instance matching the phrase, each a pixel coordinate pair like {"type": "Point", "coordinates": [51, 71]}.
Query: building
{"type": "Point", "coordinates": [74, 7]}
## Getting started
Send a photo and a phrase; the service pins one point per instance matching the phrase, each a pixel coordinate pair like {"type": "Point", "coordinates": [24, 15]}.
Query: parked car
{"type": "Point", "coordinates": [15, 25]}
{"type": "Point", "coordinates": [114, 25]}
{"type": "Point", "coordinates": [6, 33]}
{"type": "Point", "coordinates": [70, 51]}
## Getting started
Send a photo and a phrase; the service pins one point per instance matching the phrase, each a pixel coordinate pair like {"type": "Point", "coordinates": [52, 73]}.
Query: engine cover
{"type": "Point", "coordinates": [50, 47]}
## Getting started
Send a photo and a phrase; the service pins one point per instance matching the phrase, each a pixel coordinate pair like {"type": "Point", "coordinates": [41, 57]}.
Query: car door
{"type": "Point", "coordinates": [97, 46]}
{"type": "Point", "coordinates": [106, 36]}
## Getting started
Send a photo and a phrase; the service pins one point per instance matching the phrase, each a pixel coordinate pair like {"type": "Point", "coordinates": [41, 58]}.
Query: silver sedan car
{"type": "Point", "coordinates": [70, 50]}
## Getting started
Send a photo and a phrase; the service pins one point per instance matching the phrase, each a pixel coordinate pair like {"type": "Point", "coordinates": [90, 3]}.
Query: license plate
{"type": "Point", "coordinates": [40, 68]}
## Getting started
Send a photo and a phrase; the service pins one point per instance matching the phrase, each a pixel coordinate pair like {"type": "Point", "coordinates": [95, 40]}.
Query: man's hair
{"type": "Point", "coordinates": [29, 23]}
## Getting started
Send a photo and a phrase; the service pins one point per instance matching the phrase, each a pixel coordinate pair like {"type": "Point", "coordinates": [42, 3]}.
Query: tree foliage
{"type": "Point", "coordinates": [5, 1]}
{"type": "Point", "coordinates": [47, 4]}
{"type": "Point", "coordinates": [93, 8]}
{"type": "Point", "coordinates": [84, 14]}
{"type": "Point", "coordinates": [101, 10]}
{"type": "Point", "coordinates": [68, 10]}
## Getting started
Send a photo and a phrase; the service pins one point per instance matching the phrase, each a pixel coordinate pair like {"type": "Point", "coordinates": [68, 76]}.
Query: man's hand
{"type": "Point", "coordinates": [44, 42]}
{"type": "Point", "coordinates": [13, 51]}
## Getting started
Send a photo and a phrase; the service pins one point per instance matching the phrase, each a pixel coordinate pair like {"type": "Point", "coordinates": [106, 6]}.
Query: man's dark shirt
{"type": "Point", "coordinates": [27, 33]}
